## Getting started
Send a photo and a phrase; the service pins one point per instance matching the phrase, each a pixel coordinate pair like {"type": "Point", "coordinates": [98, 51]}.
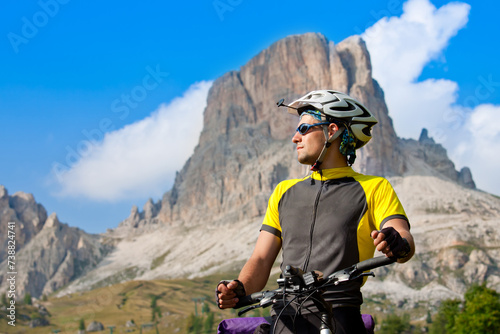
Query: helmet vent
{"type": "Point", "coordinates": [349, 107]}
{"type": "Point", "coordinates": [367, 131]}
{"type": "Point", "coordinates": [366, 113]}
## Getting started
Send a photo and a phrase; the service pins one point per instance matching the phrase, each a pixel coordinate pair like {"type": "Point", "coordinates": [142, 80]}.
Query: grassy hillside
{"type": "Point", "coordinates": [171, 300]}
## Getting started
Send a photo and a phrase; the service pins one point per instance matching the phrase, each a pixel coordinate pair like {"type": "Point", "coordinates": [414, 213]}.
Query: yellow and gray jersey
{"type": "Point", "coordinates": [325, 221]}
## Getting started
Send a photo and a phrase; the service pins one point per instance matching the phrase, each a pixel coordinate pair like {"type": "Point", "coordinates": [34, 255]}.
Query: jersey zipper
{"type": "Point", "coordinates": [313, 223]}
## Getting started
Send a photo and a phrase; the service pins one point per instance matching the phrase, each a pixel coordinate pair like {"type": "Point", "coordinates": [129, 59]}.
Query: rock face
{"type": "Point", "coordinates": [425, 157]}
{"type": "Point", "coordinates": [28, 215]}
{"type": "Point", "coordinates": [49, 254]}
{"type": "Point", "coordinates": [245, 147]}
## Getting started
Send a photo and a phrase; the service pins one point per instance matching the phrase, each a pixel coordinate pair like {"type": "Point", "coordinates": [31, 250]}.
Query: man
{"type": "Point", "coordinates": [329, 220]}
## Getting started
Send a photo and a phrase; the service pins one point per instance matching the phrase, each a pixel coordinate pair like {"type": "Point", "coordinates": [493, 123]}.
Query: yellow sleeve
{"type": "Point", "coordinates": [383, 205]}
{"type": "Point", "coordinates": [386, 205]}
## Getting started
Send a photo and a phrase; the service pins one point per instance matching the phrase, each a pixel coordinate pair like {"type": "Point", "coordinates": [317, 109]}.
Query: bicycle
{"type": "Point", "coordinates": [295, 283]}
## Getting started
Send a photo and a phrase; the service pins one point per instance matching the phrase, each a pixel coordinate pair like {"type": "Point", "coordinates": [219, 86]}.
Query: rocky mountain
{"type": "Point", "coordinates": [245, 147]}
{"type": "Point", "coordinates": [28, 215]}
{"type": "Point", "coordinates": [49, 254]}
{"type": "Point", "coordinates": [209, 221]}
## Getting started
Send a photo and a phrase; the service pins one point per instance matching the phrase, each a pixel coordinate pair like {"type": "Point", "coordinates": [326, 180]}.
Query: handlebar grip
{"type": "Point", "coordinates": [254, 298]}
{"type": "Point", "coordinates": [375, 262]}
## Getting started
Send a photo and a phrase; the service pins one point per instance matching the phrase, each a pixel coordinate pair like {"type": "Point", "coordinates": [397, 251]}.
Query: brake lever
{"type": "Point", "coordinates": [245, 310]}
{"type": "Point", "coordinates": [372, 274]}
{"type": "Point", "coordinates": [347, 277]}
{"type": "Point", "coordinates": [267, 300]}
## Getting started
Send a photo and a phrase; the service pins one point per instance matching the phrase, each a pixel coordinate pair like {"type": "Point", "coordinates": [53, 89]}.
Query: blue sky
{"type": "Point", "coordinates": [96, 99]}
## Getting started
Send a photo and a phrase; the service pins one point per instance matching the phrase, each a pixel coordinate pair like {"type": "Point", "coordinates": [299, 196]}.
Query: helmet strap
{"type": "Point", "coordinates": [328, 143]}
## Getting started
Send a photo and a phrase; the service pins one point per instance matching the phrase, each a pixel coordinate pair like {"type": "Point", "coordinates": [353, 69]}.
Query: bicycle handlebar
{"type": "Point", "coordinates": [254, 298]}
{"type": "Point", "coordinates": [369, 264]}
{"type": "Point", "coordinates": [340, 276]}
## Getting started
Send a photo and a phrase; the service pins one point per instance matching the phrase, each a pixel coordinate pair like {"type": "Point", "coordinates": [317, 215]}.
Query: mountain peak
{"type": "Point", "coordinates": [424, 137]}
{"type": "Point", "coordinates": [52, 221]}
{"type": "Point", "coordinates": [3, 192]}
{"type": "Point", "coordinates": [245, 146]}
{"type": "Point", "coordinates": [49, 253]}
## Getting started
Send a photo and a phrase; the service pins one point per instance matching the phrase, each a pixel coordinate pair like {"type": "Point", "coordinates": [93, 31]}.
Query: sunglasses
{"type": "Point", "coordinates": [304, 127]}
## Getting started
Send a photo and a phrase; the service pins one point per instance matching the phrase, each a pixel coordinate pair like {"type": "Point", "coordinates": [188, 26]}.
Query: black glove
{"type": "Point", "coordinates": [399, 246]}
{"type": "Point", "coordinates": [239, 291]}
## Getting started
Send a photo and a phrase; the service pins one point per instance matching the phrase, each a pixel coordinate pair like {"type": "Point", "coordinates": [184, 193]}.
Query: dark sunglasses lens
{"type": "Point", "coordinates": [303, 128]}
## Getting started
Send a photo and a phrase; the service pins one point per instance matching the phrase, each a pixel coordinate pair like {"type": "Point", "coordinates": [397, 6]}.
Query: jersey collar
{"type": "Point", "coordinates": [333, 173]}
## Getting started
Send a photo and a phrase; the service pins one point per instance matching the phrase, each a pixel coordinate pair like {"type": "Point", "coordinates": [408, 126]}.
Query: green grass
{"type": "Point", "coordinates": [116, 304]}
{"type": "Point", "coordinates": [467, 249]}
{"type": "Point", "coordinates": [159, 260]}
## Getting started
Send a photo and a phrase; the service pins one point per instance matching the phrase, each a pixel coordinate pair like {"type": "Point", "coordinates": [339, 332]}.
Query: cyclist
{"type": "Point", "coordinates": [329, 220]}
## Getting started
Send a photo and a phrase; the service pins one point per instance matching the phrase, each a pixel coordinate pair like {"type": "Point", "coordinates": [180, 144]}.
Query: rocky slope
{"type": "Point", "coordinates": [49, 254]}
{"type": "Point", "coordinates": [208, 222]}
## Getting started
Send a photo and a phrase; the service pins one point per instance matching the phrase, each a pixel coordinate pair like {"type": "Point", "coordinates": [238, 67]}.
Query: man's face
{"type": "Point", "coordinates": [309, 145]}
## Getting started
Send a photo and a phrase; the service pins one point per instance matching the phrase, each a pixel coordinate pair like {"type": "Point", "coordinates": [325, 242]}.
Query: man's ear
{"type": "Point", "coordinates": [332, 129]}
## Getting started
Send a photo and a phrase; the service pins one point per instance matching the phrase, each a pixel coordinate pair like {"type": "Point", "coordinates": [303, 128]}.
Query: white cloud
{"type": "Point", "coordinates": [140, 159]}
{"type": "Point", "coordinates": [479, 145]}
{"type": "Point", "coordinates": [400, 48]}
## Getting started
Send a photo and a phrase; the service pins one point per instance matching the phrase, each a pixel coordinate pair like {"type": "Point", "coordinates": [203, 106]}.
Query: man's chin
{"type": "Point", "coordinates": [305, 161]}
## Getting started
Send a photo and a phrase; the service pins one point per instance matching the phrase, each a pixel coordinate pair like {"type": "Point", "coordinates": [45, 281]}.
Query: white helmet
{"type": "Point", "coordinates": [338, 107]}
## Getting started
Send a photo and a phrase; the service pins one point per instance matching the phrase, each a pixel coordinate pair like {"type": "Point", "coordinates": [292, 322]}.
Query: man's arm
{"type": "Point", "coordinates": [255, 272]}
{"type": "Point", "coordinates": [402, 227]}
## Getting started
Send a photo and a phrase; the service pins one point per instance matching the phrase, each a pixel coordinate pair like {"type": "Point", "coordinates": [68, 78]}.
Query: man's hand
{"type": "Point", "coordinates": [254, 274]}
{"type": "Point", "coordinates": [227, 293]}
{"type": "Point", "coordinates": [389, 241]}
